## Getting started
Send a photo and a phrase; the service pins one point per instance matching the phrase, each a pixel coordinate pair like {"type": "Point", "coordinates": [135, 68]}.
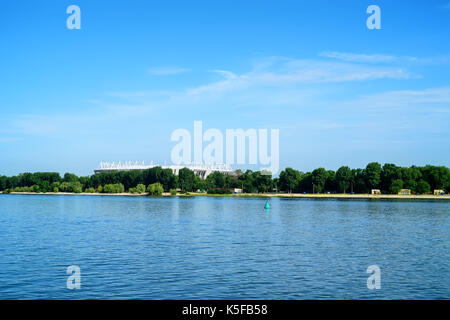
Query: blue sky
{"type": "Point", "coordinates": [339, 93]}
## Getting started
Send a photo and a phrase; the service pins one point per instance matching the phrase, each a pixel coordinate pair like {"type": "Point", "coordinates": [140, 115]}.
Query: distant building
{"type": "Point", "coordinates": [405, 191]}
{"type": "Point", "coordinates": [376, 191]}
{"type": "Point", "coordinates": [438, 192]}
{"type": "Point", "coordinates": [202, 170]}
{"type": "Point", "coordinates": [237, 190]}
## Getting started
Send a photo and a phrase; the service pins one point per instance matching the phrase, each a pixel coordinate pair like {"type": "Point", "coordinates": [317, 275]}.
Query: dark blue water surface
{"type": "Point", "coordinates": [222, 248]}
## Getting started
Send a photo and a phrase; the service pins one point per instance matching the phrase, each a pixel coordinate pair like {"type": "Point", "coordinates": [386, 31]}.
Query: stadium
{"type": "Point", "coordinates": [202, 170]}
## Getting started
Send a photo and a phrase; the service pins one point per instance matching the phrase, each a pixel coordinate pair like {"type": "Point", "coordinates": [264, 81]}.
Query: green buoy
{"type": "Point", "coordinates": [267, 206]}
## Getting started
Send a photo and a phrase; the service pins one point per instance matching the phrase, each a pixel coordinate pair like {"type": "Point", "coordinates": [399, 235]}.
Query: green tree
{"type": "Point", "coordinates": [155, 189]}
{"type": "Point", "coordinates": [85, 182]}
{"type": "Point", "coordinates": [330, 182]}
{"type": "Point", "coordinates": [140, 188]}
{"type": "Point", "coordinates": [437, 177]}
{"type": "Point", "coordinates": [231, 181]}
{"type": "Point", "coordinates": [152, 175]}
{"type": "Point", "coordinates": [289, 180]}
{"type": "Point", "coordinates": [305, 184]}
{"type": "Point", "coordinates": [130, 178]}
{"type": "Point", "coordinates": [12, 182]}
{"type": "Point", "coordinates": [215, 180]}
{"type": "Point", "coordinates": [263, 180]}
{"type": "Point", "coordinates": [358, 183]}
{"type": "Point", "coordinates": [168, 179]}
{"type": "Point", "coordinates": [44, 186]}
{"type": "Point", "coordinates": [74, 187]}
{"type": "Point", "coordinates": [276, 184]}
{"type": "Point", "coordinates": [186, 179]}
{"type": "Point", "coordinates": [423, 187]}
{"type": "Point", "coordinates": [199, 183]}
{"type": "Point", "coordinates": [410, 177]}
{"type": "Point", "coordinates": [113, 188]}
{"type": "Point", "coordinates": [27, 179]}
{"type": "Point", "coordinates": [247, 182]}
{"type": "Point", "coordinates": [319, 177]}
{"type": "Point", "coordinates": [389, 173]}
{"type": "Point", "coordinates": [108, 188]}
{"type": "Point", "coordinates": [396, 186]}
{"type": "Point", "coordinates": [3, 180]}
{"type": "Point", "coordinates": [70, 177]}
{"type": "Point", "coordinates": [55, 186]}
{"type": "Point", "coordinates": [411, 185]}
{"type": "Point", "coordinates": [343, 178]}
{"type": "Point", "coordinates": [373, 175]}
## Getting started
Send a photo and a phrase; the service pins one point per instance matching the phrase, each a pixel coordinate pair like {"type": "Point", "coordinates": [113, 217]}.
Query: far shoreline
{"type": "Point", "coordinates": [256, 195]}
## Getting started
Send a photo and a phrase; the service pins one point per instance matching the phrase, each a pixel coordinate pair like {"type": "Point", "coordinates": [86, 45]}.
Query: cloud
{"type": "Point", "coordinates": [167, 71]}
{"type": "Point", "coordinates": [365, 58]}
{"type": "Point", "coordinates": [316, 71]}
{"type": "Point", "coordinates": [279, 71]}
{"type": "Point", "coordinates": [414, 113]}
{"type": "Point", "coordinates": [426, 100]}
{"type": "Point", "coordinates": [271, 83]}
{"type": "Point", "coordinates": [226, 74]}
{"type": "Point", "coordinates": [384, 59]}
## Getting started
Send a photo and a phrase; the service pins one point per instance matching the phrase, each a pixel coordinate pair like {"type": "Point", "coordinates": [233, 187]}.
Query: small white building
{"type": "Point", "coordinates": [405, 191]}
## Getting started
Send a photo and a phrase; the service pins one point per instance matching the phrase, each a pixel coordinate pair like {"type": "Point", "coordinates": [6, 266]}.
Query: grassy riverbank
{"type": "Point", "coordinates": [257, 195]}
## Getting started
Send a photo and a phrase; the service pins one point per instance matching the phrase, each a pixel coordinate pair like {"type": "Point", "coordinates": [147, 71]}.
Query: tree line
{"type": "Point", "coordinates": [388, 178]}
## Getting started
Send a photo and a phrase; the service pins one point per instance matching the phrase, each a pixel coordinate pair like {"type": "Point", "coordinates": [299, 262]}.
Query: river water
{"type": "Point", "coordinates": [222, 248]}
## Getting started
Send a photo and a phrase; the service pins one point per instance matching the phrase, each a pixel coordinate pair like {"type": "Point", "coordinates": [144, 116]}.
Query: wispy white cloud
{"type": "Point", "coordinates": [278, 71]}
{"type": "Point", "coordinates": [166, 71]}
{"type": "Point", "coordinates": [272, 82]}
{"type": "Point", "coordinates": [365, 58]}
{"type": "Point", "coordinates": [409, 113]}
{"type": "Point", "coordinates": [226, 74]}
{"type": "Point", "coordinates": [426, 99]}
{"type": "Point", "coordinates": [384, 59]}
{"type": "Point", "coordinates": [315, 71]}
